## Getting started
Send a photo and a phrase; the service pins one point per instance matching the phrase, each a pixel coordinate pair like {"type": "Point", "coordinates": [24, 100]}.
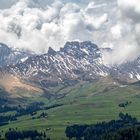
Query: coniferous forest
{"type": "Point", "coordinates": [125, 128]}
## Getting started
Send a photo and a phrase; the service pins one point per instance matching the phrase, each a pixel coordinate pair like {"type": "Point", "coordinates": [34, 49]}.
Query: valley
{"type": "Point", "coordinates": [86, 103]}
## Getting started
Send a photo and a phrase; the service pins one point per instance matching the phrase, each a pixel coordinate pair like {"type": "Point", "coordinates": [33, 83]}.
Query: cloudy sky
{"type": "Point", "coordinates": [38, 24]}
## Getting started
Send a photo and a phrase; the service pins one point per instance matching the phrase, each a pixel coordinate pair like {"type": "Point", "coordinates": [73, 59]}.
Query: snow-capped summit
{"type": "Point", "coordinates": [9, 56]}
{"type": "Point", "coordinates": [74, 62]}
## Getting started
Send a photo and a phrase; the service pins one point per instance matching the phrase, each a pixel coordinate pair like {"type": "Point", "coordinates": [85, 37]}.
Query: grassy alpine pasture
{"type": "Point", "coordinates": [86, 103]}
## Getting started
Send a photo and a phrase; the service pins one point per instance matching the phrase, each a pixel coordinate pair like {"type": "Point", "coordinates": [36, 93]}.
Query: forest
{"type": "Point", "coordinates": [125, 128]}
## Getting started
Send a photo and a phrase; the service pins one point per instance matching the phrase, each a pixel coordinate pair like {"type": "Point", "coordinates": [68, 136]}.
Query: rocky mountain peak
{"type": "Point", "coordinates": [75, 61]}
{"type": "Point", "coordinates": [51, 51]}
{"type": "Point", "coordinates": [4, 49]}
{"type": "Point", "coordinates": [4, 53]}
{"type": "Point", "coordinates": [79, 45]}
{"type": "Point", "coordinates": [10, 56]}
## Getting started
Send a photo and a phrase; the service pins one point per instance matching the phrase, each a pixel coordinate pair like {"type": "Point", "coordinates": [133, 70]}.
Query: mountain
{"type": "Point", "coordinates": [9, 56]}
{"type": "Point", "coordinates": [12, 85]}
{"type": "Point", "coordinates": [130, 69]}
{"type": "Point", "coordinates": [75, 62]}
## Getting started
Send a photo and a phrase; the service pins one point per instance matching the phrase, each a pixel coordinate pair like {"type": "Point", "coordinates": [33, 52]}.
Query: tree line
{"type": "Point", "coordinates": [103, 130]}
{"type": "Point", "coordinates": [31, 109]}
{"type": "Point", "coordinates": [28, 134]}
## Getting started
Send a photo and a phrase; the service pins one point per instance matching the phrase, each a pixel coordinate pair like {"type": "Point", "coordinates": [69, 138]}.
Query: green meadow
{"type": "Point", "coordinates": [86, 103]}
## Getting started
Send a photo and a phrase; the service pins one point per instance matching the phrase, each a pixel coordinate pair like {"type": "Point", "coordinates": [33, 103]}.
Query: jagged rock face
{"type": "Point", "coordinates": [130, 69]}
{"type": "Point", "coordinates": [10, 56]}
{"type": "Point", "coordinates": [74, 62]}
{"type": "Point", "coordinates": [4, 53]}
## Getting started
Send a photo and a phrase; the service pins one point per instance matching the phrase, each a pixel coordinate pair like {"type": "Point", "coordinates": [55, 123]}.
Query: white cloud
{"type": "Point", "coordinates": [92, 6]}
{"type": "Point", "coordinates": [36, 25]}
{"type": "Point", "coordinates": [116, 31]}
{"type": "Point", "coordinates": [125, 34]}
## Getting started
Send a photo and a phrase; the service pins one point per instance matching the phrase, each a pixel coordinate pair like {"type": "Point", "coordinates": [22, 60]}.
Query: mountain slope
{"type": "Point", "coordinates": [75, 62]}
{"type": "Point", "coordinates": [9, 56]}
{"type": "Point", "coordinates": [14, 87]}
{"type": "Point", "coordinates": [130, 69]}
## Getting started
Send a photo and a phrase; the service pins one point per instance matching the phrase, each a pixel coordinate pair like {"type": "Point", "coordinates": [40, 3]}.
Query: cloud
{"type": "Point", "coordinates": [125, 34]}
{"type": "Point", "coordinates": [36, 24]}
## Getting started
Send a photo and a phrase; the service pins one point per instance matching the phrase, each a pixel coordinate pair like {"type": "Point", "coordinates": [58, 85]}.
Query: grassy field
{"type": "Point", "coordinates": [87, 103]}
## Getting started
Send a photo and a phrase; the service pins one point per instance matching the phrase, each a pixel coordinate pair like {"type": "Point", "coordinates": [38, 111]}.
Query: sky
{"type": "Point", "coordinates": [39, 24]}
